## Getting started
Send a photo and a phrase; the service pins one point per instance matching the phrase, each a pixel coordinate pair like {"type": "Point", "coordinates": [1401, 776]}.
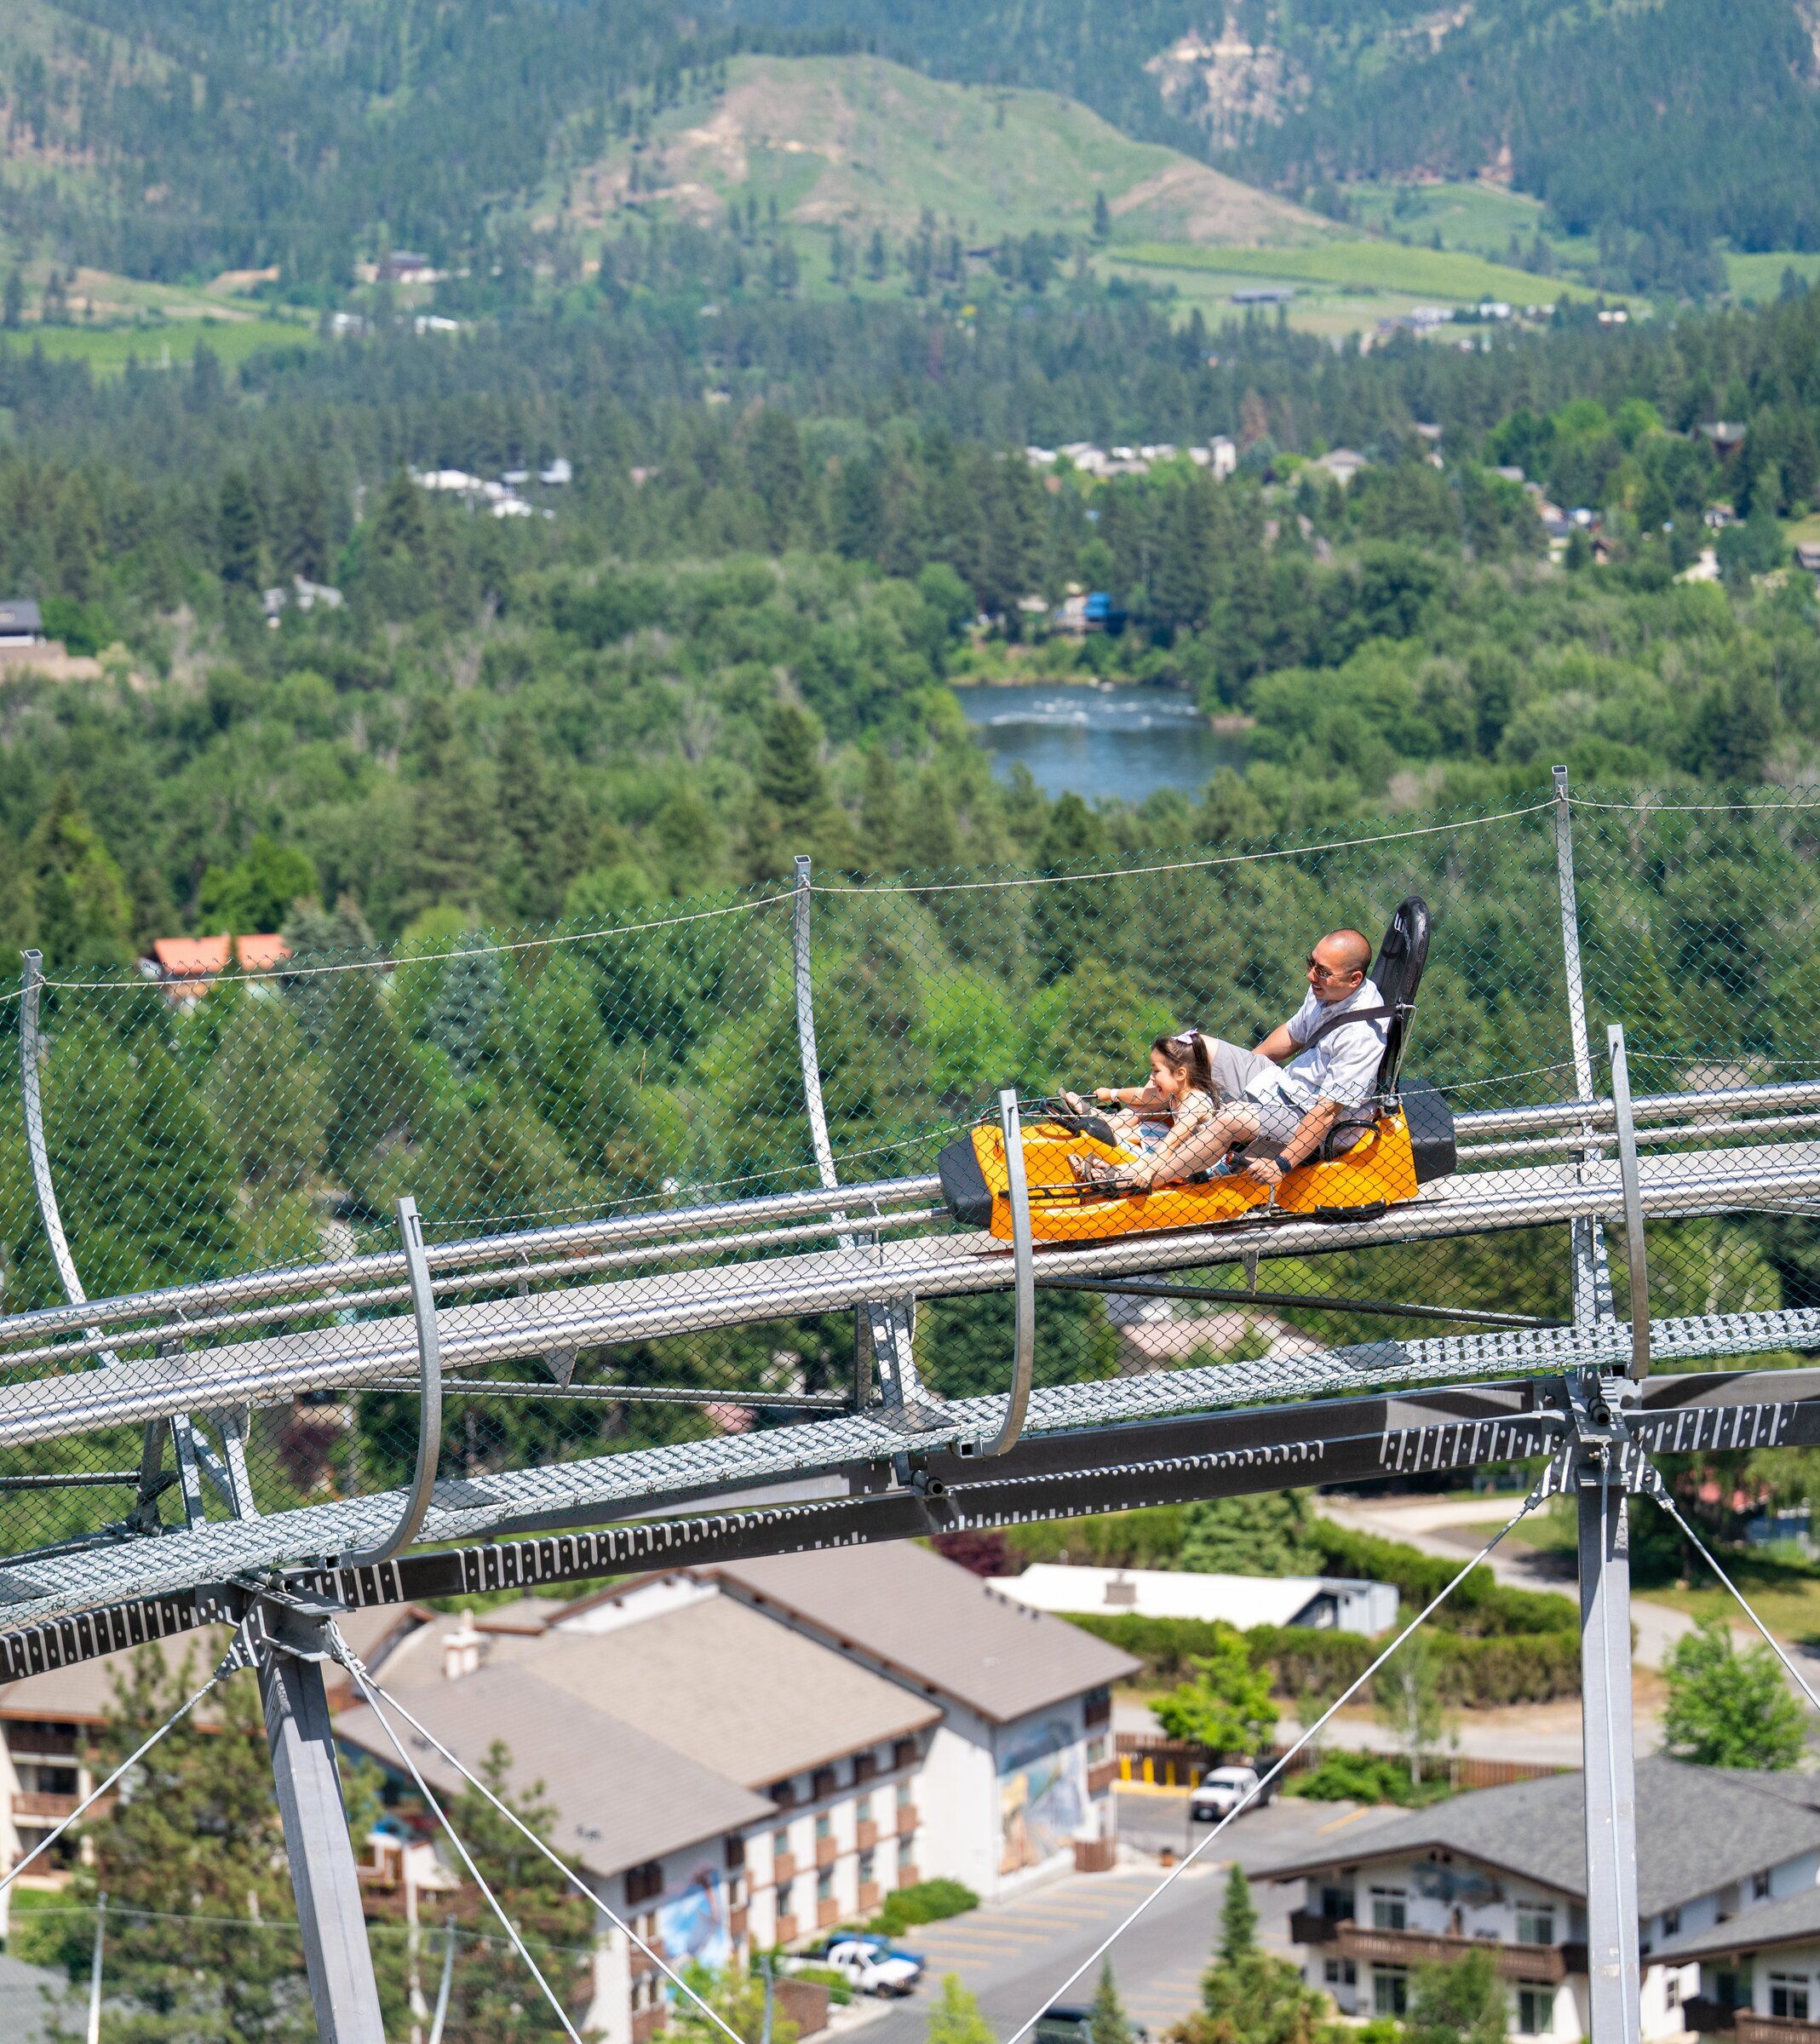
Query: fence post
{"type": "Point", "coordinates": [889, 1324]}
{"type": "Point", "coordinates": [1633, 1246]}
{"type": "Point", "coordinates": [1592, 1269]}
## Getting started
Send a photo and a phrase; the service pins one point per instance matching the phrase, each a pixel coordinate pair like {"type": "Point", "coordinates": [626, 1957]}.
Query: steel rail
{"type": "Point", "coordinates": [1110, 1461]}
{"type": "Point", "coordinates": [275, 1368]}
{"type": "Point", "coordinates": [624, 1394]}
{"type": "Point", "coordinates": [284, 1283]}
{"type": "Point", "coordinates": [1546, 1145]}
{"type": "Point", "coordinates": [339, 1303]}
{"type": "Point", "coordinates": [1024, 1280]}
{"type": "Point", "coordinates": [1628, 1172]}
{"type": "Point", "coordinates": [489, 1248]}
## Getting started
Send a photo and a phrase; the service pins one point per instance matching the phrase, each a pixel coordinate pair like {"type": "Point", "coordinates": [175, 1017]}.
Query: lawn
{"type": "Point", "coordinates": [1478, 217]}
{"type": "Point", "coordinates": [1453, 275]}
{"type": "Point", "coordinates": [1760, 277]}
{"type": "Point", "coordinates": [1785, 1593]}
{"type": "Point", "coordinates": [108, 349]}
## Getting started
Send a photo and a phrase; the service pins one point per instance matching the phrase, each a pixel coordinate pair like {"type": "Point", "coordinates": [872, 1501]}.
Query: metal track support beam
{"type": "Point", "coordinates": [1591, 1273]}
{"type": "Point", "coordinates": [1633, 1248]}
{"type": "Point", "coordinates": [1023, 1282]}
{"type": "Point", "coordinates": [335, 1954]}
{"type": "Point", "coordinates": [416, 1502]}
{"type": "Point", "coordinates": [1599, 1478]}
{"type": "Point", "coordinates": [888, 1324]}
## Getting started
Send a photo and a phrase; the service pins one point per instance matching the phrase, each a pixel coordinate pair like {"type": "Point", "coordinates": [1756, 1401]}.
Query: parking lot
{"type": "Point", "coordinates": [1014, 1956]}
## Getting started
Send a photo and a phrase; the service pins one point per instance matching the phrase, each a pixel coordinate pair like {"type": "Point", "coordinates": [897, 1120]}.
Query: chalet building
{"type": "Point", "coordinates": [1720, 1850]}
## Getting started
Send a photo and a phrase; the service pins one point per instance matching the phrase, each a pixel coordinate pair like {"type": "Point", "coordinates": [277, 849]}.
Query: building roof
{"type": "Point", "coordinates": [714, 1678]}
{"type": "Point", "coordinates": [1794, 1920]}
{"type": "Point", "coordinates": [935, 1624]}
{"type": "Point", "coordinates": [621, 1798]}
{"type": "Point", "coordinates": [203, 957]}
{"type": "Point", "coordinates": [1697, 1829]}
{"type": "Point", "coordinates": [84, 1691]}
{"type": "Point", "coordinates": [1240, 1600]}
{"type": "Point", "coordinates": [19, 614]}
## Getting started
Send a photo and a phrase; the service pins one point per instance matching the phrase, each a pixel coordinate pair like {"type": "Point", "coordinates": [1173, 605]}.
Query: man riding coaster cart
{"type": "Point", "coordinates": [1313, 1124]}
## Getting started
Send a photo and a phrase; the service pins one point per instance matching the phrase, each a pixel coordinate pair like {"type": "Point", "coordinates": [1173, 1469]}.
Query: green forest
{"type": "Point", "coordinates": [604, 734]}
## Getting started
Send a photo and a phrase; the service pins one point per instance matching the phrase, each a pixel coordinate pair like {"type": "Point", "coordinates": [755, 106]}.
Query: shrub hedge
{"type": "Point", "coordinates": [1473, 1672]}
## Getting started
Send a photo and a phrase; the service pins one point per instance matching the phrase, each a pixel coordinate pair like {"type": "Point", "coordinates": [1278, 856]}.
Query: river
{"type": "Point", "coordinates": [1096, 740]}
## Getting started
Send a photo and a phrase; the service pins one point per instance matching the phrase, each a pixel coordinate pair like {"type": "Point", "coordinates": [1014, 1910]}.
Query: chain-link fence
{"type": "Point", "coordinates": [611, 1135]}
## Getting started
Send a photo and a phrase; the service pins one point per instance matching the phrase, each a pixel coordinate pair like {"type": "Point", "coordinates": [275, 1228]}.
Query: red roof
{"type": "Point", "coordinates": [199, 961]}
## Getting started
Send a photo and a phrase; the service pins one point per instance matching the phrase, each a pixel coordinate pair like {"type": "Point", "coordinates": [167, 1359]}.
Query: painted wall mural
{"type": "Point", "coordinates": [694, 1925]}
{"type": "Point", "coordinates": [1042, 1794]}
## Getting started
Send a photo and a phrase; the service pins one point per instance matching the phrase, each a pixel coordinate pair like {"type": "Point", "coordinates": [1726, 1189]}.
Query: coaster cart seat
{"type": "Point", "coordinates": [1377, 1157]}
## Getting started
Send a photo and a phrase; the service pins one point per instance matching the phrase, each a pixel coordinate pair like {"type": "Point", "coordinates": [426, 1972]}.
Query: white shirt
{"type": "Point", "coordinates": [1343, 1066]}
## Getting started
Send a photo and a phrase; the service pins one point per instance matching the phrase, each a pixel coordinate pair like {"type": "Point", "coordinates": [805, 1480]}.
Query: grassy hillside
{"type": "Point", "coordinates": [1451, 274]}
{"type": "Point", "coordinates": [861, 143]}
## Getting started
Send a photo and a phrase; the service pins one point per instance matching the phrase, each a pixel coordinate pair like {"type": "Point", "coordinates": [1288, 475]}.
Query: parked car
{"type": "Point", "coordinates": [868, 1965]}
{"type": "Point", "coordinates": [1222, 1789]}
{"type": "Point", "coordinates": [1072, 2023]}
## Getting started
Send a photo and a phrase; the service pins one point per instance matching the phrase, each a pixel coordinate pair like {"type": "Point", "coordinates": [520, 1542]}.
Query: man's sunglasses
{"type": "Point", "coordinates": [1321, 972]}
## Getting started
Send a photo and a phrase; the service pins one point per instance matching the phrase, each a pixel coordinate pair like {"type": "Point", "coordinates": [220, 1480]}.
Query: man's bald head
{"type": "Point", "coordinates": [1337, 965]}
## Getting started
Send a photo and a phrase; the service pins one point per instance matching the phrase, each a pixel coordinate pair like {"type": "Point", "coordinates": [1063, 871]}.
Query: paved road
{"type": "Point", "coordinates": [1015, 1955]}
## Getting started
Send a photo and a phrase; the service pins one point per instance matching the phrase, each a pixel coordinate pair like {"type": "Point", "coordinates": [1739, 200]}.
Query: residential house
{"type": "Point", "coordinates": [189, 966]}
{"type": "Point", "coordinates": [1019, 1770]}
{"type": "Point", "coordinates": [1504, 1870]}
{"type": "Point", "coordinates": [1807, 555]}
{"type": "Point", "coordinates": [1758, 1971]}
{"type": "Point", "coordinates": [1336, 1603]}
{"type": "Point", "coordinates": [22, 624]}
{"type": "Point", "coordinates": [1342, 464]}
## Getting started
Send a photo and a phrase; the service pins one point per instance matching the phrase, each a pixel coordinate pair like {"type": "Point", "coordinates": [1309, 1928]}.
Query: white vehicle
{"type": "Point", "coordinates": [1221, 1790]}
{"type": "Point", "coordinates": [868, 1966]}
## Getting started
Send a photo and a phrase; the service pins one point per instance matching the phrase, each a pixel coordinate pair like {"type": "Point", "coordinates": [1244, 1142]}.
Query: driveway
{"type": "Point", "coordinates": [1014, 1956]}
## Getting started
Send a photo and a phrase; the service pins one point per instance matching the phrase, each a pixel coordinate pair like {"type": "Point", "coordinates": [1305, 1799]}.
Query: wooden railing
{"type": "Point", "coordinates": [1547, 1964]}
{"type": "Point", "coordinates": [1774, 2030]}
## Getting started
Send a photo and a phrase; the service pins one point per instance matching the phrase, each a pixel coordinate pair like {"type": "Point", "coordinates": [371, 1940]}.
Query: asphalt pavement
{"type": "Point", "coordinates": [1015, 1955]}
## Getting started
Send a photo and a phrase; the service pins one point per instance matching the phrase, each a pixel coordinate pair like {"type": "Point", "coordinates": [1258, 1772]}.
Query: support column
{"type": "Point", "coordinates": [1591, 1273]}
{"type": "Point", "coordinates": [335, 1954]}
{"type": "Point", "coordinates": [1613, 1966]}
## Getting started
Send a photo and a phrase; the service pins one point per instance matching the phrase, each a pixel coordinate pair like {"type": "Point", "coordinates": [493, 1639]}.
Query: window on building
{"type": "Point", "coordinates": [868, 1868]}
{"type": "Point", "coordinates": [903, 1753]}
{"type": "Point", "coordinates": [824, 1884]}
{"type": "Point", "coordinates": [906, 1794]}
{"type": "Point", "coordinates": [823, 1826]}
{"type": "Point", "coordinates": [1788, 1996]}
{"type": "Point", "coordinates": [1535, 1923]}
{"type": "Point", "coordinates": [780, 1844]}
{"type": "Point", "coordinates": [1390, 1991]}
{"type": "Point", "coordinates": [1671, 1989]}
{"type": "Point", "coordinates": [1096, 1752]}
{"type": "Point", "coordinates": [865, 1765]}
{"type": "Point", "coordinates": [783, 1793]}
{"type": "Point", "coordinates": [1671, 1923]}
{"type": "Point", "coordinates": [1337, 1904]}
{"type": "Point", "coordinates": [643, 1882]}
{"type": "Point", "coordinates": [1096, 1708]}
{"type": "Point", "coordinates": [821, 1783]}
{"type": "Point", "coordinates": [736, 1853]}
{"type": "Point", "coordinates": [1341, 1972]}
{"type": "Point", "coordinates": [1759, 1885]}
{"type": "Point", "coordinates": [1535, 2011]}
{"type": "Point", "coordinates": [1390, 1911]}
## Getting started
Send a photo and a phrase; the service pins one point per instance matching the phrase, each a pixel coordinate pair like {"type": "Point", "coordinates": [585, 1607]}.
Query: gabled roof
{"type": "Point", "coordinates": [715, 1678]}
{"type": "Point", "coordinates": [1698, 1828]}
{"type": "Point", "coordinates": [620, 1797]}
{"type": "Point", "coordinates": [1794, 1920]}
{"type": "Point", "coordinates": [934, 1624]}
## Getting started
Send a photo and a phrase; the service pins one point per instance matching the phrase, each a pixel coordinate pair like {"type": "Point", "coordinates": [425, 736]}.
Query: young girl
{"type": "Point", "coordinates": [1173, 1127]}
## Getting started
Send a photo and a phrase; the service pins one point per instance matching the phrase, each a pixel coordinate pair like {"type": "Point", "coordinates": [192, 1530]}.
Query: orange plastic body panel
{"type": "Point", "coordinates": [1378, 1171]}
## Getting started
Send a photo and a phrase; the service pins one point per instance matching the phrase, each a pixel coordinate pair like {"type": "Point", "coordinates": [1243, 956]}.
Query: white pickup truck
{"type": "Point", "coordinates": [1222, 1789]}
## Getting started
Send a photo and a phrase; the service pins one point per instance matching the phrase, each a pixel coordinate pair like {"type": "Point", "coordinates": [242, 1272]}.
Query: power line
{"type": "Point", "coordinates": [1529, 1505]}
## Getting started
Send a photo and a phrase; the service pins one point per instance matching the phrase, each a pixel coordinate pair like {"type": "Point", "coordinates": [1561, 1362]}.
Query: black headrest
{"type": "Point", "coordinates": [1398, 972]}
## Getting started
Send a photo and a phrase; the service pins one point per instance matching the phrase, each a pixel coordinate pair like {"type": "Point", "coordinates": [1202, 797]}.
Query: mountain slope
{"type": "Point", "coordinates": [858, 142]}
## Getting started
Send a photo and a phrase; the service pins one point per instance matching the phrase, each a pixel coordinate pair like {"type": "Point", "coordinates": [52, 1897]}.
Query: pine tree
{"type": "Point", "coordinates": [1106, 2022]}
{"type": "Point", "coordinates": [1102, 218]}
{"type": "Point", "coordinates": [468, 1009]}
{"type": "Point", "coordinates": [192, 1864]}
{"type": "Point", "coordinates": [241, 545]}
{"type": "Point", "coordinates": [493, 2000]}
{"type": "Point", "coordinates": [1239, 1918]}
{"type": "Point", "coordinates": [13, 312]}
{"type": "Point", "coordinates": [83, 913]}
